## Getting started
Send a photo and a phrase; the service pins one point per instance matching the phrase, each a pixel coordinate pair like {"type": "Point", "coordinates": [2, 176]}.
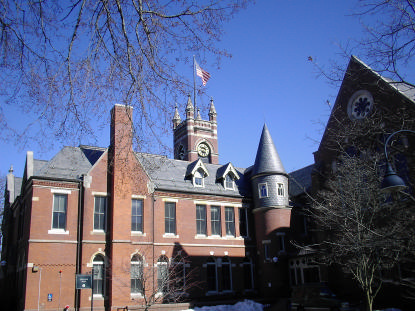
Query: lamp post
{"type": "Point", "coordinates": [392, 182]}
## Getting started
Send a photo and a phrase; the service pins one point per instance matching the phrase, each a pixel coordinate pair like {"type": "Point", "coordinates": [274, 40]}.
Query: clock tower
{"type": "Point", "coordinates": [194, 138]}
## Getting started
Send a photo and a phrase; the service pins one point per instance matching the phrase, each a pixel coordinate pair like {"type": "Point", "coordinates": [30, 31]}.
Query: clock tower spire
{"type": "Point", "coordinates": [195, 138]}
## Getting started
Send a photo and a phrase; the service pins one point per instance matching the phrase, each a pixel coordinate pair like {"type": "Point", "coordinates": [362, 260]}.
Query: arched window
{"type": "Point", "coordinates": [226, 274]}
{"type": "Point", "coordinates": [98, 266]}
{"type": "Point", "coordinates": [136, 275]}
{"type": "Point", "coordinates": [163, 274]}
{"type": "Point", "coordinates": [212, 275]}
{"type": "Point", "coordinates": [178, 273]}
{"type": "Point", "coordinates": [248, 273]}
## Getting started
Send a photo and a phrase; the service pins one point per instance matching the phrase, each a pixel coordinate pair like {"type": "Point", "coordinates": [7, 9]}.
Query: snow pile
{"type": "Point", "coordinates": [246, 305]}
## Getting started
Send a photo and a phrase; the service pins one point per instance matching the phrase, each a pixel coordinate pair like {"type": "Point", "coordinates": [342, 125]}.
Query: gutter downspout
{"type": "Point", "coordinates": [79, 239]}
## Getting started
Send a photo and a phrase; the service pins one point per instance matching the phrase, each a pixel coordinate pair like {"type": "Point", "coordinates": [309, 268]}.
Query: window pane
{"type": "Point", "coordinates": [280, 189]}
{"type": "Point", "coordinates": [137, 215]}
{"type": "Point", "coordinates": [215, 220]}
{"type": "Point", "coordinates": [162, 276]}
{"type": "Point", "coordinates": [200, 219]}
{"type": "Point", "coordinates": [59, 211]}
{"type": "Point", "coordinates": [243, 229]}
{"type": "Point", "coordinates": [263, 190]}
{"type": "Point", "coordinates": [226, 274]}
{"type": "Point", "coordinates": [136, 275]}
{"type": "Point", "coordinates": [211, 275]}
{"type": "Point", "coordinates": [170, 217]}
{"type": "Point", "coordinates": [248, 282]}
{"type": "Point", "coordinates": [230, 221]}
{"type": "Point", "coordinates": [229, 182]}
{"type": "Point", "coordinates": [98, 268]}
{"type": "Point", "coordinates": [99, 213]}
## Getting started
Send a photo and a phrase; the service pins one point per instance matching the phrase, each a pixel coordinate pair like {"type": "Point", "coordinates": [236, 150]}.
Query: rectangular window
{"type": "Point", "coordinates": [230, 221]}
{"type": "Point", "coordinates": [100, 213]}
{"type": "Point", "coordinates": [137, 215]}
{"type": "Point", "coordinates": [201, 219]}
{"type": "Point", "coordinates": [267, 255]}
{"type": "Point", "coordinates": [280, 189]}
{"type": "Point", "coordinates": [60, 202]}
{"type": "Point", "coordinates": [215, 220]}
{"type": "Point", "coordinates": [170, 217]}
{"type": "Point", "coordinates": [281, 240]}
{"type": "Point", "coordinates": [243, 222]}
{"type": "Point", "coordinates": [263, 190]}
{"type": "Point", "coordinates": [229, 183]}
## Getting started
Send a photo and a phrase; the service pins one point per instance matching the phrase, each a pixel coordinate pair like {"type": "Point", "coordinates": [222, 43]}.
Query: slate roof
{"type": "Point", "coordinates": [267, 159]}
{"type": "Point", "coordinates": [170, 175]}
{"type": "Point", "coordinates": [300, 180]}
{"type": "Point", "coordinates": [166, 174]}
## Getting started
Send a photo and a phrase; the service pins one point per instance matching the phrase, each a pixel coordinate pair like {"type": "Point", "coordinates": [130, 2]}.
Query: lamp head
{"type": "Point", "coordinates": [392, 182]}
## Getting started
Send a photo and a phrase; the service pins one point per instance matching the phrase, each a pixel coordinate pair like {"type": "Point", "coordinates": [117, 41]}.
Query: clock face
{"type": "Point", "coordinates": [203, 150]}
{"type": "Point", "coordinates": [360, 105]}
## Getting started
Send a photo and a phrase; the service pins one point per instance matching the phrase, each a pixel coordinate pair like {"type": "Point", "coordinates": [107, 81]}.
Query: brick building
{"type": "Point", "coordinates": [151, 228]}
{"type": "Point", "coordinates": [136, 217]}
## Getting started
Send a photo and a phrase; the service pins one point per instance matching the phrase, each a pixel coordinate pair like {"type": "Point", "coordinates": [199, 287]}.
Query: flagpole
{"type": "Point", "coordinates": [194, 82]}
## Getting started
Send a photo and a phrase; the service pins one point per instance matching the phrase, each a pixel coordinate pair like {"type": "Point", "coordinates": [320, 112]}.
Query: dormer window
{"type": "Point", "coordinates": [229, 182]}
{"type": "Point", "coordinates": [198, 180]}
{"type": "Point", "coordinates": [227, 175]}
{"type": "Point", "coordinates": [197, 172]}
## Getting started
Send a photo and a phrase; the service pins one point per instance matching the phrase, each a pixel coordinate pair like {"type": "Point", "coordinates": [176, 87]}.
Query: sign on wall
{"type": "Point", "coordinates": [83, 281]}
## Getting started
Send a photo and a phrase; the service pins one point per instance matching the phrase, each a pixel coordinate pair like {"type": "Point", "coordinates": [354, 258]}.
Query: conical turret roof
{"type": "Point", "coordinates": [267, 160]}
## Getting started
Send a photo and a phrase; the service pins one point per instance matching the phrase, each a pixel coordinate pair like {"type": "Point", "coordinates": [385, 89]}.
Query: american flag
{"type": "Point", "coordinates": [202, 73]}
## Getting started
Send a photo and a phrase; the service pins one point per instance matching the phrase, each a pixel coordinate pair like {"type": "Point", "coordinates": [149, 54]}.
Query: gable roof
{"type": "Point", "coordinates": [359, 76]}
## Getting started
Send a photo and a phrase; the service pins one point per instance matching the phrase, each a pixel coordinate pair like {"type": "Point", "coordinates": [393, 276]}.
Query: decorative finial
{"type": "Point", "coordinates": [11, 169]}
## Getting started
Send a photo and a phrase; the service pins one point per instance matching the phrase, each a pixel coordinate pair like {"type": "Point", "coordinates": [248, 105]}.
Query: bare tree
{"type": "Point", "coordinates": [156, 280]}
{"type": "Point", "coordinates": [390, 45]}
{"type": "Point", "coordinates": [64, 63]}
{"type": "Point", "coordinates": [364, 232]}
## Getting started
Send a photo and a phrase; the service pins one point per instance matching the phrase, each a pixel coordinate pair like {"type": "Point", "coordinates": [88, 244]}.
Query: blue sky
{"type": "Point", "coordinates": [267, 80]}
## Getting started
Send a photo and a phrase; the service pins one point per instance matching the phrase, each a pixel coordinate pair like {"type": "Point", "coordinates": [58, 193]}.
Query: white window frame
{"type": "Point", "coordinates": [59, 230]}
{"type": "Point", "coordinates": [142, 215]}
{"type": "Point", "coordinates": [198, 179]}
{"type": "Point", "coordinates": [139, 262]}
{"type": "Point", "coordinates": [105, 214]}
{"type": "Point", "coordinates": [229, 180]}
{"type": "Point", "coordinates": [280, 189]}
{"type": "Point", "coordinates": [260, 187]}
{"type": "Point", "coordinates": [102, 264]}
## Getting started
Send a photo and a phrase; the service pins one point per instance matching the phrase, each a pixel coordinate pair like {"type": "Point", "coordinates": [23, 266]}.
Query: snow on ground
{"type": "Point", "coordinates": [246, 305]}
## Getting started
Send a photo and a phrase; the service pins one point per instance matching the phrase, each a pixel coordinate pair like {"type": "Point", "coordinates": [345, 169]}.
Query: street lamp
{"type": "Point", "coordinates": [392, 182]}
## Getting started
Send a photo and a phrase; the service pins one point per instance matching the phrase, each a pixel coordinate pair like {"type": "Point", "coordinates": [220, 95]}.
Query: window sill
{"type": "Point", "coordinates": [98, 232]}
{"type": "Point", "coordinates": [97, 297]}
{"type": "Point", "coordinates": [57, 231]}
{"type": "Point", "coordinates": [201, 236]}
{"type": "Point", "coordinates": [137, 233]}
{"type": "Point", "coordinates": [170, 236]}
{"type": "Point", "coordinates": [136, 296]}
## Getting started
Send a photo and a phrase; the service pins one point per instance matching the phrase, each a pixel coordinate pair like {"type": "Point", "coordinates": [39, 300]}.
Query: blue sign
{"type": "Point", "coordinates": [49, 297]}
